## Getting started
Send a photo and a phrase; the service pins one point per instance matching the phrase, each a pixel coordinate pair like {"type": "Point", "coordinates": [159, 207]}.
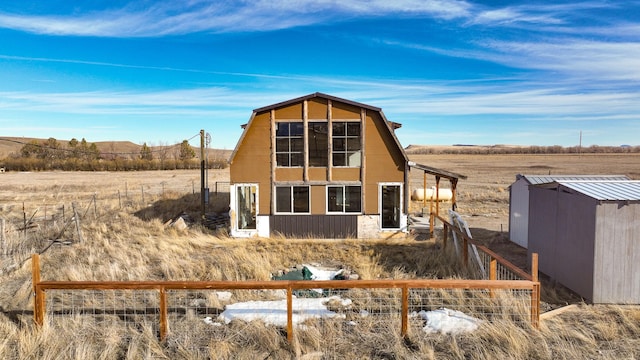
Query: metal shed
{"type": "Point", "coordinates": [519, 200]}
{"type": "Point", "coordinates": [587, 234]}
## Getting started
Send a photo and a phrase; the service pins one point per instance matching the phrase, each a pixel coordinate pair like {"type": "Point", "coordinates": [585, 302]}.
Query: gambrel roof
{"type": "Point", "coordinates": [391, 126]}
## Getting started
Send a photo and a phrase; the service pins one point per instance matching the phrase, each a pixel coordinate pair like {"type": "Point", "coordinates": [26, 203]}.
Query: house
{"type": "Point", "coordinates": [587, 234]}
{"type": "Point", "coordinates": [519, 200]}
{"type": "Point", "coordinates": [318, 166]}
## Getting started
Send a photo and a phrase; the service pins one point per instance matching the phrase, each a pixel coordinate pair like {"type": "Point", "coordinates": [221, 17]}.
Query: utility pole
{"type": "Point", "coordinates": [580, 145]}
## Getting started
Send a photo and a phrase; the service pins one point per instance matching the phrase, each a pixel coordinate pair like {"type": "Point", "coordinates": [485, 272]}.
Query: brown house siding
{"type": "Point", "coordinates": [317, 226]}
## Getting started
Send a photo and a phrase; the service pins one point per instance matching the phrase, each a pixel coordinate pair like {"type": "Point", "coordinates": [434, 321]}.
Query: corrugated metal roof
{"type": "Point", "coordinates": [606, 190]}
{"type": "Point", "coordinates": [543, 179]}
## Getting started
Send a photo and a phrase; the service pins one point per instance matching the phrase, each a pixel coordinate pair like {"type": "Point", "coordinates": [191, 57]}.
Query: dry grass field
{"type": "Point", "coordinates": [124, 237]}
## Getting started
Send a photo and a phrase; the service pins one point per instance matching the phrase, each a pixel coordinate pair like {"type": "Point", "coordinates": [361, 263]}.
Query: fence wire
{"type": "Point", "coordinates": [201, 322]}
{"type": "Point", "coordinates": [113, 309]}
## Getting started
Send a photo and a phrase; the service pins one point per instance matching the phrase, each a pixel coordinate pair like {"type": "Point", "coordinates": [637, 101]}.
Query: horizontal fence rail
{"type": "Point", "coordinates": [394, 305]}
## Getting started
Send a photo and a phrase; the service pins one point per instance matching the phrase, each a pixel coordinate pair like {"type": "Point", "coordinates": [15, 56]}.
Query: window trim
{"type": "Point", "coordinates": [346, 137]}
{"type": "Point", "coordinates": [289, 152]}
{"type": "Point", "coordinates": [292, 212]}
{"type": "Point", "coordinates": [328, 153]}
{"type": "Point", "coordinates": [237, 210]}
{"type": "Point", "coordinates": [343, 212]}
{"type": "Point", "coordinates": [401, 186]}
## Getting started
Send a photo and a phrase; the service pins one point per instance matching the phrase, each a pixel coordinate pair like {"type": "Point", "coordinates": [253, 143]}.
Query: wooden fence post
{"type": "Point", "coordinates": [2, 238]}
{"type": "Point", "coordinates": [38, 293]}
{"type": "Point", "coordinates": [534, 267]}
{"type": "Point", "coordinates": [405, 310]}
{"type": "Point", "coordinates": [535, 306]}
{"type": "Point", "coordinates": [95, 207]}
{"type": "Point", "coordinates": [76, 217]}
{"type": "Point", "coordinates": [432, 219]}
{"type": "Point", "coordinates": [163, 314]}
{"type": "Point", "coordinates": [493, 274]}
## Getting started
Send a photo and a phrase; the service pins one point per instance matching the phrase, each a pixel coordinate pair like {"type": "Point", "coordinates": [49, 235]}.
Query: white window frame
{"type": "Point", "coordinates": [401, 215]}
{"type": "Point", "coordinates": [346, 138]}
{"type": "Point", "coordinates": [289, 152]}
{"type": "Point", "coordinates": [235, 206]}
{"type": "Point", "coordinates": [343, 212]}
{"type": "Point", "coordinates": [292, 212]}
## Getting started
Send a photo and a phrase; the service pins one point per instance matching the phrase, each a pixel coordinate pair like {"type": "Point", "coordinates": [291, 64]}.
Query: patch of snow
{"type": "Point", "coordinates": [447, 321]}
{"type": "Point", "coordinates": [275, 312]}
{"type": "Point", "coordinates": [319, 274]}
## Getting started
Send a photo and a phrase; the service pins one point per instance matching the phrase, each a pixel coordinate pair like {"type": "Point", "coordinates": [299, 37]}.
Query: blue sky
{"type": "Point", "coordinates": [452, 72]}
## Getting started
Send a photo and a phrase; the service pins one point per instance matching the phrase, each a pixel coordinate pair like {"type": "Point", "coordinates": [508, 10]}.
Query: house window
{"type": "Point", "coordinates": [289, 144]}
{"type": "Point", "coordinates": [318, 144]}
{"type": "Point", "coordinates": [346, 144]}
{"type": "Point", "coordinates": [344, 199]}
{"type": "Point", "coordinates": [292, 199]}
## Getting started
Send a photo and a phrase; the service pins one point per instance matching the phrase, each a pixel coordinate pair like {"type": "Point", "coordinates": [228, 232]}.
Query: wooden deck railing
{"type": "Point", "coordinates": [41, 287]}
{"type": "Point", "coordinates": [495, 259]}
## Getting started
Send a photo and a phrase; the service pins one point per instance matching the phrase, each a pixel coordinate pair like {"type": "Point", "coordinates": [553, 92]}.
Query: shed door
{"type": "Point", "coordinates": [390, 205]}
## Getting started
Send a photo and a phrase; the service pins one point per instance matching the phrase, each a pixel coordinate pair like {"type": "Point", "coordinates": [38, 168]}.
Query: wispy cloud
{"type": "Point", "coordinates": [172, 18]}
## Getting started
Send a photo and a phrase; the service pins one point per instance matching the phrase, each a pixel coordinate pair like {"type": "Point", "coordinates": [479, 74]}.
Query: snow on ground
{"type": "Point", "coordinates": [275, 312]}
{"type": "Point", "coordinates": [448, 321]}
{"type": "Point", "coordinates": [320, 274]}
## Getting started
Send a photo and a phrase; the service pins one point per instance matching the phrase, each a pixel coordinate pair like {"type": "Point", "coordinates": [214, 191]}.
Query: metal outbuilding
{"type": "Point", "coordinates": [519, 200]}
{"type": "Point", "coordinates": [587, 234]}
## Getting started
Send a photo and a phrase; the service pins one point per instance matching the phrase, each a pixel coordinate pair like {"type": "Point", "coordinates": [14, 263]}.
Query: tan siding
{"type": "Point", "coordinates": [289, 174]}
{"type": "Point", "coordinates": [342, 111]}
{"type": "Point", "coordinates": [346, 174]}
{"type": "Point", "coordinates": [252, 163]}
{"type": "Point", "coordinates": [318, 200]}
{"type": "Point", "coordinates": [317, 174]}
{"type": "Point", "coordinates": [384, 162]}
{"type": "Point", "coordinates": [371, 206]}
{"type": "Point", "coordinates": [291, 112]}
{"type": "Point", "coordinates": [317, 109]}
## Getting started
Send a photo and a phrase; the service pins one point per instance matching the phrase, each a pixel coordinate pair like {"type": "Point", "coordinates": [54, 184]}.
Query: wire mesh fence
{"type": "Point", "coordinates": [201, 317]}
{"type": "Point", "coordinates": [114, 309]}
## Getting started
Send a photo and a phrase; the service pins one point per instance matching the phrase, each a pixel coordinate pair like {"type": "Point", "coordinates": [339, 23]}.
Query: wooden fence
{"type": "Point", "coordinates": [162, 287]}
{"type": "Point", "coordinates": [495, 260]}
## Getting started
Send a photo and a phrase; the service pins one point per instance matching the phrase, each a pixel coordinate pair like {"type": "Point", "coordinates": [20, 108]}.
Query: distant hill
{"type": "Point", "coordinates": [9, 145]}
{"type": "Point", "coordinates": [516, 149]}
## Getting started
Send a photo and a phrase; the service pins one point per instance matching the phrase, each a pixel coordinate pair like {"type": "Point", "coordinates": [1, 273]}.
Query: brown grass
{"type": "Point", "coordinates": [122, 244]}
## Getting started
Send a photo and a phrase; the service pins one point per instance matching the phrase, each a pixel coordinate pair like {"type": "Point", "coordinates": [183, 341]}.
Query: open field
{"type": "Point", "coordinates": [124, 239]}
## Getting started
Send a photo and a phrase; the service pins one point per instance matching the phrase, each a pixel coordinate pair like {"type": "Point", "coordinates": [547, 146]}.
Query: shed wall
{"type": "Point", "coordinates": [519, 212]}
{"type": "Point", "coordinates": [617, 253]}
{"type": "Point", "coordinates": [562, 232]}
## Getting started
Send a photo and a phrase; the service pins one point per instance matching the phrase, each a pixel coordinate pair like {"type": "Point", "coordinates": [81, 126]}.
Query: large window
{"type": "Point", "coordinates": [289, 144]}
{"type": "Point", "coordinates": [346, 144]}
{"type": "Point", "coordinates": [344, 199]}
{"type": "Point", "coordinates": [292, 199]}
{"type": "Point", "coordinates": [318, 144]}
